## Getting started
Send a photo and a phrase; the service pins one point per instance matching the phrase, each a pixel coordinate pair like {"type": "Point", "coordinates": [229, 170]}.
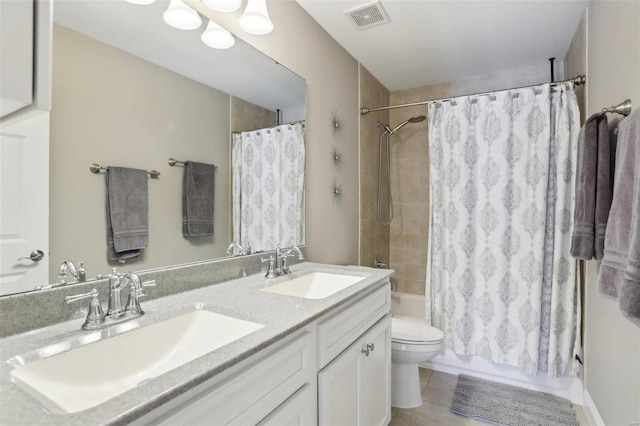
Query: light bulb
{"type": "Point", "coordinates": [223, 5]}
{"type": "Point", "coordinates": [181, 16]}
{"type": "Point", "coordinates": [217, 37]}
{"type": "Point", "coordinates": [255, 18]}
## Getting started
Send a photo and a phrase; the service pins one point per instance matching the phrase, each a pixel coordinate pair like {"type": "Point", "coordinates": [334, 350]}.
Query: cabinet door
{"type": "Point", "coordinates": [16, 55]}
{"type": "Point", "coordinates": [374, 376]}
{"type": "Point", "coordinates": [338, 389]}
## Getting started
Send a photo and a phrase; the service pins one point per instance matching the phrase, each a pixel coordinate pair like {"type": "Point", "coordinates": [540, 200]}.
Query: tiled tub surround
{"type": "Point", "coordinates": [239, 298]}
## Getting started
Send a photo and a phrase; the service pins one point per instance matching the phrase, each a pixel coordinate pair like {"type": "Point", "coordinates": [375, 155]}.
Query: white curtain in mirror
{"type": "Point", "coordinates": [268, 187]}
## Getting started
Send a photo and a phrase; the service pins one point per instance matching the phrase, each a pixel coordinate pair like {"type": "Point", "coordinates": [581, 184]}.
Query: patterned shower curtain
{"type": "Point", "coordinates": [268, 186]}
{"type": "Point", "coordinates": [503, 285]}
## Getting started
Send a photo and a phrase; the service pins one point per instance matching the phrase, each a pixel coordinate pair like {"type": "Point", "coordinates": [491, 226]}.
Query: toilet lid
{"type": "Point", "coordinates": [414, 330]}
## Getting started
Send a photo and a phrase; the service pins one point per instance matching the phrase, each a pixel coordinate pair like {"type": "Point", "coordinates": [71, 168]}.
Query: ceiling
{"type": "Point", "coordinates": [437, 41]}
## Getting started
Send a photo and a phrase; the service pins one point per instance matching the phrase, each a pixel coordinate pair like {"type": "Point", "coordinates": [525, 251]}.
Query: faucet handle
{"type": "Point", "coordinates": [284, 263]}
{"type": "Point", "coordinates": [95, 316]}
{"type": "Point", "coordinates": [139, 291]}
{"type": "Point", "coordinates": [271, 270]}
{"type": "Point", "coordinates": [133, 304]}
{"type": "Point", "coordinates": [151, 283]}
{"type": "Point", "coordinates": [93, 294]}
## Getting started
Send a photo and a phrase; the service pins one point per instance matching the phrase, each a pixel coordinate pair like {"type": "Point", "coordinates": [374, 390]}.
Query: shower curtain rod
{"type": "Point", "coordinates": [581, 79]}
{"type": "Point", "coordinates": [303, 122]}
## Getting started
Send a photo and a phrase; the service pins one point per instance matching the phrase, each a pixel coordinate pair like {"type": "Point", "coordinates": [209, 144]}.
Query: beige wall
{"type": "Point", "coordinates": [575, 63]}
{"type": "Point", "coordinates": [374, 237]}
{"type": "Point", "coordinates": [302, 45]}
{"type": "Point", "coordinates": [612, 343]}
{"type": "Point", "coordinates": [410, 168]}
{"type": "Point", "coordinates": [112, 108]}
{"type": "Point", "coordinates": [246, 116]}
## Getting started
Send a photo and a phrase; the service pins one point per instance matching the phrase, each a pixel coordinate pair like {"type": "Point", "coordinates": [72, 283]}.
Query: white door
{"type": "Point", "coordinates": [374, 376]}
{"type": "Point", "coordinates": [24, 202]}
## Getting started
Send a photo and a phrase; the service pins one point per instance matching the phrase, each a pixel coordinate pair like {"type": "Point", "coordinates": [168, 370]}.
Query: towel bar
{"type": "Point", "coordinates": [97, 168]}
{"type": "Point", "coordinates": [623, 108]}
{"type": "Point", "coordinates": [172, 162]}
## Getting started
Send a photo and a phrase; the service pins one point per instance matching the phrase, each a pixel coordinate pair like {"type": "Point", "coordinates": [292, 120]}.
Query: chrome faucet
{"type": "Point", "coordinates": [284, 254]}
{"type": "Point", "coordinates": [241, 250]}
{"type": "Point", "coordinates": [278, 265]}
{"type": "Point", "coordinates": [115, 311]}
{"type": "Point", "coordinates": [79, 273]}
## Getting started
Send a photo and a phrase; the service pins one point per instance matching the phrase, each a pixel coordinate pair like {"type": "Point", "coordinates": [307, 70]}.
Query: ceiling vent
{"type": "Point", "coordinates": [368, 16]}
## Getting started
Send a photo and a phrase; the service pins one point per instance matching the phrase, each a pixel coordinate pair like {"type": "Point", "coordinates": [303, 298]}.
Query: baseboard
{"type": "Point", "coordinates": [591, 411]}
{"type": "Point", "coordinates": [570, 388]}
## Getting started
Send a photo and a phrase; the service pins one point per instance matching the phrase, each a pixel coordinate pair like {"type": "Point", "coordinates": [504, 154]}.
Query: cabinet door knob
{"type": "Point", "coordinates": [371, 346]}
{"type": "Point", "coordinates": [365, 351]}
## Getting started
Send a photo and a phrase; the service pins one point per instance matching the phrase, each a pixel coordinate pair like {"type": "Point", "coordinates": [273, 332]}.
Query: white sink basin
{"type": "Point", "coordinates": [316, 285]}
{"type": "Point", "coordinates": [84, 377]}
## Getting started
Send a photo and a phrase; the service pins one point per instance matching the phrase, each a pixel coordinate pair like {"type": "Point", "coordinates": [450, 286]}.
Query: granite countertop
{"type": "Point", "coordinates": [281, 315]}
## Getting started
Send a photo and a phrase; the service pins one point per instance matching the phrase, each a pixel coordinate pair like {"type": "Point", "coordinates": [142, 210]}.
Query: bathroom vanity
{"type": "Point", "coordinates": [309, 361]}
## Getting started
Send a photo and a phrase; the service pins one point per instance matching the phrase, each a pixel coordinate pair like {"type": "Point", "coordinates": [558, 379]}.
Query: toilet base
{"type": "Point", "coordinates": [405, 386]}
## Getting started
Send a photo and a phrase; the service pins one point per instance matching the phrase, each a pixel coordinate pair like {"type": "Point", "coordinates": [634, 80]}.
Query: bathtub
{"type": "Point", "coordinates": [412, 305]}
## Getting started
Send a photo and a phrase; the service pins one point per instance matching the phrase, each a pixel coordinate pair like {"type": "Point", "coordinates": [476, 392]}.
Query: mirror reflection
{"type": "Point", "coordinates": [131, 91]}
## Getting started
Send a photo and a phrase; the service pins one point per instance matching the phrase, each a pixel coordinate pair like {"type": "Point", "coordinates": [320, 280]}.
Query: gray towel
{"type": "Point", "coordinates": [198, 188]}
{"type": "Point", "coordinates": [620, 269]}
{"type": "Point", "coordinates": [128, 212]}
{"type": "Point", "coordinates": [593, 189]}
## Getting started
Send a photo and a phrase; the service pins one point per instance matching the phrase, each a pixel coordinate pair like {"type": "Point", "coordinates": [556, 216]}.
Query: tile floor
{"type": "Point", "coordinates": [437, 394]}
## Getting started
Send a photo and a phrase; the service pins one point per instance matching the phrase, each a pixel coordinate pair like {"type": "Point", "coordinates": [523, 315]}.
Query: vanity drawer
{"type": "Point", "coordinates": [339, 331]}
{"type": "Point", "coordinates": [254, 392]}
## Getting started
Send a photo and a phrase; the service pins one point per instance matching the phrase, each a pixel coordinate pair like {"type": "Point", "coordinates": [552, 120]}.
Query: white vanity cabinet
{"type": "Point", "coordinates": [355, 387]}
{"type": "Point", "coordinates": [334, 371]}
{"type": "Point", "coordinates": [274, 385]}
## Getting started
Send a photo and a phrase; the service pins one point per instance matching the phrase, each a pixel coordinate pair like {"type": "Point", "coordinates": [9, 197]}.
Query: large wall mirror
{"type": "Point", "coordinates": [131, 91]}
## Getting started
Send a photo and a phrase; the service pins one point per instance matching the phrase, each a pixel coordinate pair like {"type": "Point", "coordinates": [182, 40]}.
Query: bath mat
{"type": "Point", "coordinates": [506, 405]}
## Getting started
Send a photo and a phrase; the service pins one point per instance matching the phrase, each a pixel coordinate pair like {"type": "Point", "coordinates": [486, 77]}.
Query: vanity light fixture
{"type": "Point", "coordinates": [223, 5]}
{"type": "Point", "coordinates": [217, 37]}
{"type": "Point", "coordinates": [181, 16]}
{"type": "Point", "coordinates": [255, 18]}
{"type": "Point", "coordinates": [141, 2]}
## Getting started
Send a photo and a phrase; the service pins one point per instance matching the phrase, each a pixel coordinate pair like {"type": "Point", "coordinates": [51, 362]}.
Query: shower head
{"type": "Point", "coordinates": [416, 119]}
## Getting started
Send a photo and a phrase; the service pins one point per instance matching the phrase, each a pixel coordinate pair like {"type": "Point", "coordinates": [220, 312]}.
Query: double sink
{"type": "Point", "coordinates": [89, 375]}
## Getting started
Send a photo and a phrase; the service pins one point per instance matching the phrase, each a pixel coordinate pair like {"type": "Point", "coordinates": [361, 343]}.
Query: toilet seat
{"type": "Point", "coordinates": [413, 331]}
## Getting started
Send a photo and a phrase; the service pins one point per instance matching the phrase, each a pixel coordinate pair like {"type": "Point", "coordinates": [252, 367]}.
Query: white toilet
{"type": "Point", "coordinates": [412, 341]}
